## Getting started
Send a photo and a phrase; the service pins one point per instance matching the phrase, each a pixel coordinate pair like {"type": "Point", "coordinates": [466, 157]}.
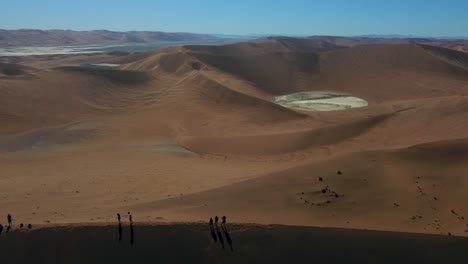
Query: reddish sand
{"type": "Point", "coordinates": [78, 145]}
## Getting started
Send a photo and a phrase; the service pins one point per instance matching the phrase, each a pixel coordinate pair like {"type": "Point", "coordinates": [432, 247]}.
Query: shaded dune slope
{"type": "Point", "coordinates": [10, 70]}
{"type": "Point", "coordinates": [280, 143]}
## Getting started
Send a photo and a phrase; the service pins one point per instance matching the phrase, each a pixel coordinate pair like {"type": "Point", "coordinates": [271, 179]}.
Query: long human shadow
{"type": "Point", "coordinates": [213, 234]}
{"type": "Point", "coordinates": [228, 237]}
{"type": "Point", "coordinates": [120, 232]}
{"type": "Point", "coordinates": [132, 234]}
{"type": "Point", "coordinates": [221, 240]}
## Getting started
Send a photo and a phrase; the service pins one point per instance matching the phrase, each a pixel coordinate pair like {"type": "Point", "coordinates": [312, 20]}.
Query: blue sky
{"type": "Point", "coordinates": [278, 17]}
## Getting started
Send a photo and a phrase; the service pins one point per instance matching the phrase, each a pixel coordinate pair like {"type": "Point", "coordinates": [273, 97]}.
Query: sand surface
{"type": "Point", "coordinates": [184, 133]}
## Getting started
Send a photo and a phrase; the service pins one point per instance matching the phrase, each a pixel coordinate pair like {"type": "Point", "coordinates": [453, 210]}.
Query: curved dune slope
{"type": "Point", "coordinates": [410, 189]}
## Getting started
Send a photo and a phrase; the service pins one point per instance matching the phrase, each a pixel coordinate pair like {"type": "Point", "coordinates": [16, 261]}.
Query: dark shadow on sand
{"type": "Point", "coordinates": [132, 234]}
{"type": "Point", "coordinates": [190, 243]}
{"type": "Point", "coordinates": [228, 237]}
{"type": "Point", "coordinates": [221, 240]}
{"type": "Point", "coordinates": [120, 232]}
{"type": "Point", "coordinates": [213, 234]}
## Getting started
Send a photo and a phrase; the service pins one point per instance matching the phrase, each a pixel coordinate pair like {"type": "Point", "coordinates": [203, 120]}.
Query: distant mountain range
{"type": "Point", "coordinates": [397, 36]}
{"type": "Point", "coordinates": [346, 42]}
{"type": "Point", "coordinates": [49, 38]}
{"type": "Point", "coordinates": [35, 37]}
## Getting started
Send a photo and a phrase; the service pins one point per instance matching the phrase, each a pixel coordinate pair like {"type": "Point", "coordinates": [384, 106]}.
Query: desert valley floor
{"type": "Point", "coordinates": [186, 133]}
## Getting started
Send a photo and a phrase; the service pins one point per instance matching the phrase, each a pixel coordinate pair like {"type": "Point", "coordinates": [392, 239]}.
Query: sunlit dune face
{"type": "Point", "coordinates": [319, 101]}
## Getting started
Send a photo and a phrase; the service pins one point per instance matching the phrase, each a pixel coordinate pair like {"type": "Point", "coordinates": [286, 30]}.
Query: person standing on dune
{"type": "Point", "coordinates": [216, 220]}
{"type": "Point", "coordinates": [118, 217]}
{"type": "Point", "coordinates": [130, 217]}
{"type": "Point", "coordinates": [9, 221]}
{"type": "Point", "coordinates": [223, 223]}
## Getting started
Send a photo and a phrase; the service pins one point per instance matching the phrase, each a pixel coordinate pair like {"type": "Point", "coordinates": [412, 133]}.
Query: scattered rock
{"type": "Point", "coordinates": [396, 204]}
{"type": "Point", "coordinates": [324, 190]}
{"type": "Point", "coordinates": [338, 172]}
{"type": "Point", "coordinates": [435, 198]}
{"type": "Point", "coordinates": [320, 179]}
{"type": "Point", "coordinates": [449, 233]}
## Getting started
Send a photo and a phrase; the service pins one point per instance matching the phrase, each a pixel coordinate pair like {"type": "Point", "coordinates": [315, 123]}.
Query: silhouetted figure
{"type": "Point", "coordinates": [213, 234]}
{"type": "Point", "coordinates": [228, 238]}
{"type": "Point", "coordinates": [216, 220]}
{"type": "Point", "coordinates": [29, 226]}
{"type": "Point", "coordinates": [21, 226]}
{"type": "Point", "coordinates": [10, 222]}
{"type": "Point", "coordinates": [120, 232]}
{"type": "Point", "coordinates": [223, 223]}
{"type": "Point", "coordinates": [132, 234]}
{"type": "Point", "coordinates": [1, 229]}
{"type": "Point", "coordinates": [130, 217]}
{"type": "Point", "coordinates": [119, 218]}
{"type": "Point", "coordinates": [221, 240]}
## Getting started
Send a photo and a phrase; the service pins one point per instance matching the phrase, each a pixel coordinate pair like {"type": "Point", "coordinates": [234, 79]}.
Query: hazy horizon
{"type": "Point", "coordinates": [396, 36]}
{"type": "Point", "coordinates": [434, 18]}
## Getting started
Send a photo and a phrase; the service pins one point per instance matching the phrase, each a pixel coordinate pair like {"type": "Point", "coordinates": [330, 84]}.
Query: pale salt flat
{"type": "Point", "coordinates": [319, 101]}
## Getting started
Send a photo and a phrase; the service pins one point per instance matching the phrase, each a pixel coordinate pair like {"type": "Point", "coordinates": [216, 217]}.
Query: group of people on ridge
{"type": "Point", "coordinates": [130, 218]}
{"type": "Point", "coordinates": [10, 224]}
{"type": "Point", "coordinates": [216, 221]}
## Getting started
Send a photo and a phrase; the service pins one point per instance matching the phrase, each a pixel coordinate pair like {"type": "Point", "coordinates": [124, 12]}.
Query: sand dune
{"type": "Point", "coordinates": [411, 189]}
{"type": "Point", "coordinates": [78, 143]}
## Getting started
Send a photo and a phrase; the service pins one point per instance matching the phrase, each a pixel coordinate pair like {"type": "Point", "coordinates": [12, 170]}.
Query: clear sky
{"type": "Point", "coordinates": [277, 17]}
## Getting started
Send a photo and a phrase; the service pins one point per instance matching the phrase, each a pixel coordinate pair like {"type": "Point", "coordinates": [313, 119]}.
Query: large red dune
{"type": "Point", "coordinates": [185, 133]}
